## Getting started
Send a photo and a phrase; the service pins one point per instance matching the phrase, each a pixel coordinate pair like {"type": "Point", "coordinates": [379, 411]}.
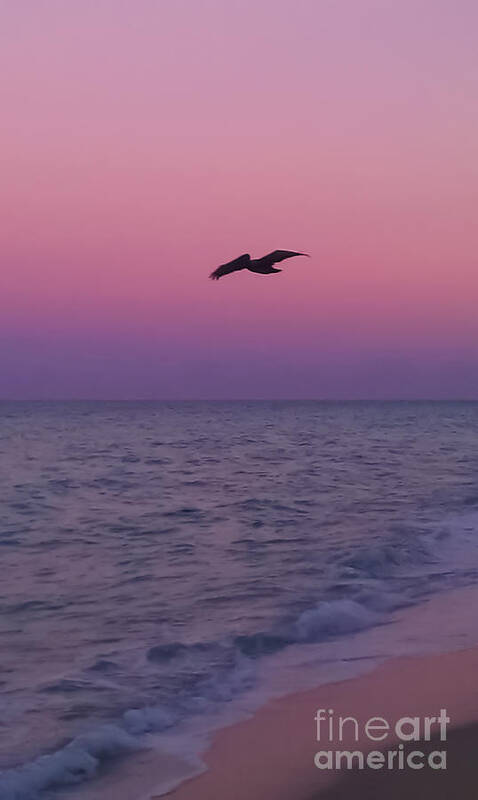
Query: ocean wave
{"type": "Point", "coordinates": [76, 762]}
{"type": "Point", "coordinates": [80, 759]}
{"type": "Point", "coordinates": [365, 587]}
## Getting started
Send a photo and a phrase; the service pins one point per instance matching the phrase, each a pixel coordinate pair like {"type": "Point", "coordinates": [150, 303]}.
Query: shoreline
{"type": "Point", "coordinates": [263, 749]}
{"type": "Point", "coordinates": [270, 756]}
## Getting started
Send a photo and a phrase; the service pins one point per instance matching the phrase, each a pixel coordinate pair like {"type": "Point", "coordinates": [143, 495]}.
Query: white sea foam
{"type": "Point", "coordinates": [76, 762]}
{"type": "Point", "coordinates": [334, 618]}
{"type": "Point", "coordinates": [145, 720]}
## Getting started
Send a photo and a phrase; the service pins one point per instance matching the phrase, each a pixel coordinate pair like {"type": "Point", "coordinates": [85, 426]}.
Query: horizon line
{"type": "Point", "coordinates": [358, 399]}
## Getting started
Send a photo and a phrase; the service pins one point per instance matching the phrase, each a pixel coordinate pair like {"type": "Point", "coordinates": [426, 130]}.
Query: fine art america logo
{"type": "Point", "coordinates": [332, 730]}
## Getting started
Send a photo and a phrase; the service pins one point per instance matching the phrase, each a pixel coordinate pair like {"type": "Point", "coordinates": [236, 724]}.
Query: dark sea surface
{"type": "Point", "coordinates": [153, 554]}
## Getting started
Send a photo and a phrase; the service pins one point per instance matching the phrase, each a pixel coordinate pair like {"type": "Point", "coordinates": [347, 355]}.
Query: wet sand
{"type": "Point", "coordinates": [271, 756]}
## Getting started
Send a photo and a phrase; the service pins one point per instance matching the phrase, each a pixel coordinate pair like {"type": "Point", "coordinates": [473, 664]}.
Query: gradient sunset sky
{"type": "Point", "coordinates": [144, 142]}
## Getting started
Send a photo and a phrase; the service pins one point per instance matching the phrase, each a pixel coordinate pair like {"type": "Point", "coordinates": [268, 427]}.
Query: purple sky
{"type": "Point", "coordinates": [145, 143]}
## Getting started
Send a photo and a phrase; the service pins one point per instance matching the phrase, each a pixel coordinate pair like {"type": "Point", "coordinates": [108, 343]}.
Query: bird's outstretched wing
{"type": "Point", "coordinates": [280, 255]}
{"type": "Point", "coordinates": [232, 266]}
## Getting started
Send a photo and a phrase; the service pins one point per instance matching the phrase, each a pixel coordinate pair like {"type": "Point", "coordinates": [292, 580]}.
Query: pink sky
{"type": "Point", "coordinates": [143, 143]}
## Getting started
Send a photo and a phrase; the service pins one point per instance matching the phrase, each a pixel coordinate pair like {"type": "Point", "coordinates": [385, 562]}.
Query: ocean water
{"type": "Point", "coordinates": [155, 555]}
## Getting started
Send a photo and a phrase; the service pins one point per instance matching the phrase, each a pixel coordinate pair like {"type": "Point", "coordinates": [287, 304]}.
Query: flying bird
{"type": "Point", "coordinates": [263, 266]}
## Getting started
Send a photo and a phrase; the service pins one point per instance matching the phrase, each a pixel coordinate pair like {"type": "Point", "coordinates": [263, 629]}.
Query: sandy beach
{"type": "Point", "coordinates": [271, 756]}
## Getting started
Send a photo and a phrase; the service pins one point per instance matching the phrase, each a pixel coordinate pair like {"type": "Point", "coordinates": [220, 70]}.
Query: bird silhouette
{"type": "Point", "coordinates": [263, 266]}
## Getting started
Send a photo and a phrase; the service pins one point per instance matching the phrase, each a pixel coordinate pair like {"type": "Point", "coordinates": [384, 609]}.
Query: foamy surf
{"type": "Point", "coordinates": [243, 684]}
